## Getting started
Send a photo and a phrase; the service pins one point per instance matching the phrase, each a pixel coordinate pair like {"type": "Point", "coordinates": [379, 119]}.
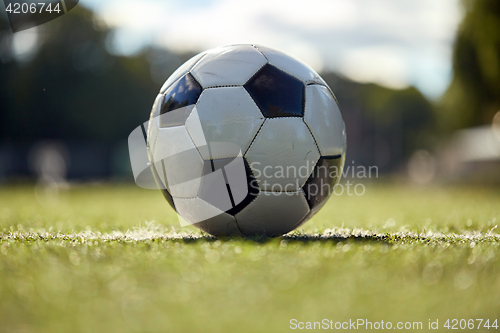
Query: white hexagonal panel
{"type": "Point", "coordinates": [220, 225]}
{"type": "Point", "coordinates": [228, 66]}
{"type": "Point", "coordinates": [226, 114]}
{"type": "Point", "coordinates": [154, 122]}
{"type": "Point", "coordinates": [283, 154]}
{"type": "Point", "coordinates": [176, 157]}
{"type": "Point", "coordinates": [183, 69]}
{"type": "Point", "coordinates": [204, 216]}
{"type": "Point", "coordinates": [323, 117]}
{"type": "Point", "coordinates": [272, 213]}
{"type": "Point", "coordinates": [291, 65]}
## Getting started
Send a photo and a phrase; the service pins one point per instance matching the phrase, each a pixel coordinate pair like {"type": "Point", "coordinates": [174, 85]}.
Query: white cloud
{"type": "Point", "coordinates": [382, 64]}
{"type": "Point", "coordinates": [383, 41]}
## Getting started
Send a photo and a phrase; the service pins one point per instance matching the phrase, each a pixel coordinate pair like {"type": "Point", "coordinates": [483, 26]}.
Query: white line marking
{"type": "Point", "coordinates": [169, 233]}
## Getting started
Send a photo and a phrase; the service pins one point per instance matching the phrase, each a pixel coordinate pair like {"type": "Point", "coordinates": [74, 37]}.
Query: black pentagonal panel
{"type": "Point", "coordinates": [277, 93]}
{"type": "Point", "coordinates": [216, 164]}
{"type": "Point", "coordinates": [183, 92]}
{"type": "Point", "coordinates": [322, 181]}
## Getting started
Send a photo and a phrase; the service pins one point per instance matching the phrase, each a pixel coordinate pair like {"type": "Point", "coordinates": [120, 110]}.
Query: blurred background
{"type": "Point", "coordinates": [418, 82]}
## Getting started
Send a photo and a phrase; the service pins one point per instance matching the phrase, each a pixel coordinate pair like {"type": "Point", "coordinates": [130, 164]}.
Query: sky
{"type": "Point", "coordinates": [395, 43]}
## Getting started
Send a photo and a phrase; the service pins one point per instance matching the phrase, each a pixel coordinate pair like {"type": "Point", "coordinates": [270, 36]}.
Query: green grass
{"type": "Point", "coordinates": [91, 259]}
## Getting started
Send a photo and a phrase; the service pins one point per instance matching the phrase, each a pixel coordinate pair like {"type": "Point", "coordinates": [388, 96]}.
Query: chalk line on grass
{"type": "Point", "coordinates": [158, 232]}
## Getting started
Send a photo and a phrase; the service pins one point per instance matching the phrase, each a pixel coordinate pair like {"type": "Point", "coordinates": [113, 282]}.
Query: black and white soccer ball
{"type": "Point", "coordinates": [246, 140]}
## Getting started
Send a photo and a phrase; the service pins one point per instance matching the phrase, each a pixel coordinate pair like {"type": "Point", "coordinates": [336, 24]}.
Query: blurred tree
{"type": "Point", "coordinates": [473, 97]}
{"type": "Point", "coordinates": [384, 126]}
{"type": "Point", "coordinates": [75, 88]}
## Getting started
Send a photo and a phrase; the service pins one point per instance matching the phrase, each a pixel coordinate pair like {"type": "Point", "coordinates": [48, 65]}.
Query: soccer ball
{"type": "Point", "coordinates": [246, 140]}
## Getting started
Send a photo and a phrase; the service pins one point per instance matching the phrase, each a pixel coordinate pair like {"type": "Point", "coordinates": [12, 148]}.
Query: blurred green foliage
{"type": "Point", "coordinates": [403, 118]}
{"type": "Point", "coordinates": [473, 97]}
{"type": "Point", "coordinates": [75, 88]}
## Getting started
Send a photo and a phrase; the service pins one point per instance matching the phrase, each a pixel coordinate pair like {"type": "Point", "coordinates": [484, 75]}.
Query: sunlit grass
{"type": "Point", "coordinates": [90, 260]}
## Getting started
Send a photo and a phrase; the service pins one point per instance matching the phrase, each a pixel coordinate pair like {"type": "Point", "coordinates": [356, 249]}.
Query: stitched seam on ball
{"type": "Point", "coordinates": [229, 85]}
{"type": "Point", "coordinates": [310, 82]}
{"type": "Point", "coordinates": [224, 86]}
{"type": "Point", "coordinates": [303, 91]}
{"type": "Point", "coordinates": [276, 66]}
{"type": "Point", "coordinates": [255, 137]}
{"type": "Point", "coordinates": [303, 101]}
{"type": "Point", "coordinates": [185, 198]}
{"type": "Point", "coordinates": [197, 79]}
{"type": "Point", "coordinates": [176, 80]}
{"type": "Point", "coordinates": [287, 117]}
{"type": "Point", "coordinates": [255, 197]}
{"type": "Point", "coordinates": [263, 117]}
{"type": "Point", "coordinates": [197, 62]}
{"type": "Point", "coordinates": [305, 218]}
{"type": "Point", "coordinates": [260, 129]}
{"type": "Point", "coordinates": [249, 146]}
{"type": "Point", "coordinates": [316, 145]}
{"type": "Point", "coordinates": [329, 89]}
{"type": "Point", "coordinates": [188, 71]}
{"type": "Point", "coordinates": [314, 138]}
{"type": "Point", "coordinates": [314, 83]}
{"type": "Point", "coordinates": [236, 220]}
{"type": "Point", "coordinates": [260, 51]}
{"type": "Point", "coordinates": [189, 134]}
{"type": "Point", "coordinates": [258, 107]}
{"type": "Point", "coordinates": [265, 57]}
